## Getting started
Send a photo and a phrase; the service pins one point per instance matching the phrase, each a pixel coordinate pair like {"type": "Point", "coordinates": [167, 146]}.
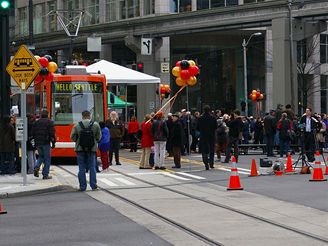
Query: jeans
{"type": "Point", "coordinates": [207, 150]}
{"type": "Point", "coordinates": [87, 161]}
{"type": "Point", "coordinates": [284, 146]}
{"type": "Point", "coordinates": [30, 161]}
{"type": "Point", "coordinates": [159, 153]}
{"type": "Point", "coordinates": [44, 157]}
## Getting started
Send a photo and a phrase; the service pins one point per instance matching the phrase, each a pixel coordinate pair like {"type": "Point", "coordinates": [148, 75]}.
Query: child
{"type": "Point", "coordinates": [104, 145]}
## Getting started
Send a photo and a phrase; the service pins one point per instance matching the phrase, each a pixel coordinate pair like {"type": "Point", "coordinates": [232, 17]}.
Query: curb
{"type": "Point", "coordinates": [38, 192]}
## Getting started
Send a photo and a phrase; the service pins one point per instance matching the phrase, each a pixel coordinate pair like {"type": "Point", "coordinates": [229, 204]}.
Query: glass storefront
{"type": "Point", "coordinates": [220, 82]}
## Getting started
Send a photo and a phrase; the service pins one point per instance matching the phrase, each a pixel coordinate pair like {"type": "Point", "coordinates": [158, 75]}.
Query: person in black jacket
{"type": "Point", "coordinates": [30, 144]}
{"type": "Point", "coordinates": [207, 126]}
{"type": "Point", "coordinates": [44, 134]}
{"type": "Point", "coordinates": [309, 127]}
{"type": "Point", "coordinates": [270, 126]}
{"type": "Point", "coordinates": [7, 146]}
{"type": "Point", "coordinates": [176, 138]}
{"type": "Point", "coordinates": [235, 126]}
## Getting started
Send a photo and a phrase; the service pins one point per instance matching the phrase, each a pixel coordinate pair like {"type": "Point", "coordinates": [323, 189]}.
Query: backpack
{"type": "Point", "coordinates": [87, 139]}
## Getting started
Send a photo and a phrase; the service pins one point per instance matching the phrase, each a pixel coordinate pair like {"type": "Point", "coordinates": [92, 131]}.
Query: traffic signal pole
{"type": "Point", "coordinates": [4, 59]}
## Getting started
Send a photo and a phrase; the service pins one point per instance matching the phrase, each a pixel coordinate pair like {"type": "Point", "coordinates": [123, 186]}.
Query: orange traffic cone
{"type": "Point", "coordinates": [326, 171]}
{"type": "Point", "coordinates": [289, 165]}
{"type": "Point", "coordinates": [234, 182]}
{"type": "Point", "coordinates": [2, 210]}
{"type": "Point", "coordinates": [253, 169]}
{"type": "Point", "coordinates": [317, 171]}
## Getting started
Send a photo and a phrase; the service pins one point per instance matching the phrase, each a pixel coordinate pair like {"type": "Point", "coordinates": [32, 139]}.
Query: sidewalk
{"type": "Point", "coordinates": [12, 185]}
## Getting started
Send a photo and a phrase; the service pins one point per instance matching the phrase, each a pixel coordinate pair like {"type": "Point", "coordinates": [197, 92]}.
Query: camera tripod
{"type": "Point", "coordinates": [301, 156]}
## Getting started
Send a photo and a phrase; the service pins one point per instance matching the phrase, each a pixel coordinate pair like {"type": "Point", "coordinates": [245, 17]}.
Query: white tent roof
{"type": "Point", "coordinates": [116, 74]}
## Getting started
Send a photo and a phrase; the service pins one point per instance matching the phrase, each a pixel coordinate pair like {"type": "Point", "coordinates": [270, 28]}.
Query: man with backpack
{"type": "Point", "coordinates": [86, 134]}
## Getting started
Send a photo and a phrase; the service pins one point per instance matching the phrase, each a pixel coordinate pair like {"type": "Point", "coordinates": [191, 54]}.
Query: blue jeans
{"type": "Point", "coordinates": [87, 160]}
{"type": "Point", "coordinates": [44, 157]}
{"type": "Point", "coordinates": [284, 146]}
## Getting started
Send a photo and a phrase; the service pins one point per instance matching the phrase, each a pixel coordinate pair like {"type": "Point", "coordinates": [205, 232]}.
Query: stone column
{"type": "Point", "coordinates": [268, 103]}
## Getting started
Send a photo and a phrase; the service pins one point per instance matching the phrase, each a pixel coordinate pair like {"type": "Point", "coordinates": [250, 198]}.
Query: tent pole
{"type": "Point", "coordinates": [126, 105]}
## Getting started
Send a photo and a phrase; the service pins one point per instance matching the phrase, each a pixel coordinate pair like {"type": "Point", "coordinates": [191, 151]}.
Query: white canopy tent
{"type": "Point", "coordinates": [116, 74]}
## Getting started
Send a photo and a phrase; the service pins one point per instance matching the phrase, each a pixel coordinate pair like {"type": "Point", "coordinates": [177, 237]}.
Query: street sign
{"type": "Point", "coordinates": [23, 68]}
{"type": "Point", "coordinates": [146, 46]}
{"type": "Point", "coordinates": [165, 67]}
{"type": "Point", "coordinates": [19, 129]}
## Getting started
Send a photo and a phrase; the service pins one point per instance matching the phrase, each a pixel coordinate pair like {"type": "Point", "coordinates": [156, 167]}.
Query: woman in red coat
{"type": "Point", "coordinates": [146, 142]}
{"type": "Point", "coordinates": [133, 128]}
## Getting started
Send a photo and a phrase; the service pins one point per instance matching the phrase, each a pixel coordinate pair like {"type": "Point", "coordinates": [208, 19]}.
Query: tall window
{"type": "Point", "coordinates": [203, 4]}
{"type": "Point", "coordinates": [323, 48]}
{"type": "Point", "coordinates": [110, 10]}
{"type": "Point", "coordinates": [22, 21]}
{"type": "Point", "coordinates": [129, 9]}
{"type": "Point", "coordinates": [39, 18]}
{"type": "Point", "coordinates": [324, 88]}
{"type": "Point", "coordinates": [92, 7]}
{"type": "Point", "coordinates": [52, 20]}
{"type": "Point", "coordinates": [149, 7]}
{"type": "Point", "coordinates": [71, 5]}
{"type": "Point", "coordinates": [302, 51]}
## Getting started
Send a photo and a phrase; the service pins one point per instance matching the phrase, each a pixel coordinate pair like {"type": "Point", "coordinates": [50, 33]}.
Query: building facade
{"type": "Point", "coordinates": [211, 32]}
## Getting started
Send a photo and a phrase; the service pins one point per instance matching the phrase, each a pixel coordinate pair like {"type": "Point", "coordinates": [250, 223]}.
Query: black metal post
{"type": "Point", "coordinates": [4, 60]}
{"type": "Point", "coordinates": [30, 21]}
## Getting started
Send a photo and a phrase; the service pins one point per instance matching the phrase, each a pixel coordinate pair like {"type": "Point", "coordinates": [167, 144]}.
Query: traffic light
{"type": "Point", "coordinates": [140, 67]}
{"type": "Point", "coordinates": [5, 4]}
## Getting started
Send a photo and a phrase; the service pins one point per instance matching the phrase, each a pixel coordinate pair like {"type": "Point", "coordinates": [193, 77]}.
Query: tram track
{"type": "Point", "coordinates": [206, 201]}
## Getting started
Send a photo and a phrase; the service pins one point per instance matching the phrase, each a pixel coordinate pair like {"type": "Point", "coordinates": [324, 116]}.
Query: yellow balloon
{"type": "Point", "coordinates": [176, 71]}
{"type": "Point", "coordinates": [52, 67]}
{"type": "Point", "coordinates": [254, 91]}
{"type": "Point", "coordinates": [192, 63]}
{"type": "Point", "coordinates": [37, 58]}
{"type": "Point", "coordinates": [192, 81]}
{"type": "Point", "coordinates": [179, 81]}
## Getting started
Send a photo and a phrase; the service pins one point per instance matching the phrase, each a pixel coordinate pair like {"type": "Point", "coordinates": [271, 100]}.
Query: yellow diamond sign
{"type": "Point", "coordinates": [23, 68]}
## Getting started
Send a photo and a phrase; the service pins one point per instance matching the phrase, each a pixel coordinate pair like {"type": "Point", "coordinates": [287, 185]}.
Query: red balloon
{"type": "Point", "coordinates": [258, 94]}
{"type": "Point", "coordinates": [43, 62]}
{"type": "Point", "coordinates": [193, 70]}
{"type": "Point", "coordinates": [185, 74]}
{"type": "Point", "coordinates": [178, 64]}
{"type": "Point", "coordinates": [49, 77]}
{"type": "Point", "coordinates": [38, 78]}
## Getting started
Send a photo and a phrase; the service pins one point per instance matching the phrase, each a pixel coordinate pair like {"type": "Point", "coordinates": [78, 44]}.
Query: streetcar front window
{"type": "Point", "coordinates": [70, 99]}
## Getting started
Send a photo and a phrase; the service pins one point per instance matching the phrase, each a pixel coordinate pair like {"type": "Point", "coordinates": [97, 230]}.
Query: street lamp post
{"type": "Point", "coordinates": [244, 44]}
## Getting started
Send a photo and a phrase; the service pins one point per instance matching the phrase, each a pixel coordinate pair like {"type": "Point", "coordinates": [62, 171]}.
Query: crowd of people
{"type": "Point", "coordinates": [176, 134]}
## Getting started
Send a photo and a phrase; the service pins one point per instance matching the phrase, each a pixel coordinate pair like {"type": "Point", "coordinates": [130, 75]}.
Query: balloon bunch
{"type": "Point", "coordinates": [186, 72]}
{"type": "Point", "coordinates": [164, 91]}
{"type": "Point", "coordinates": [256, 95]}
{"type": "Point", "coordinates": [47, 70]}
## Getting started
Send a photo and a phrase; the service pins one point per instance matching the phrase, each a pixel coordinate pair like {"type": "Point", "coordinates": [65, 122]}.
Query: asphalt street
{"type": "Point", "coordinates": [69, 218]}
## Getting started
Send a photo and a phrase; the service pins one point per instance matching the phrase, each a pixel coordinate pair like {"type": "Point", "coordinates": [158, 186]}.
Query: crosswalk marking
{"type": "Point", "coordinates": [191, 175]}
{"type": "Point", "coordinates": [107, 182]}
{"type": "Point", "coordinates": [124, 181]}
{"type": "Point", "coordinates": [175, 176]}
{"type": "Point", "coordinates": [228, 170]}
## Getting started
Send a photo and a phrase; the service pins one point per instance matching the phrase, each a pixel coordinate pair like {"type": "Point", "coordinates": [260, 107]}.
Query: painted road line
{"type": "Point", "coordinates": [175, 176]}
{"type": "Point", "coordinates": [107, 182]}
{"type": "Point", "coordinates": [125, 181]}
{"type": "Point", "coordinates": [191, 175]}
{"type": "Point", "coordinates": [229, 170]}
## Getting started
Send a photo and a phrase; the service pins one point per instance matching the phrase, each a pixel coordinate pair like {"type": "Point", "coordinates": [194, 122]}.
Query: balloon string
{"type": "Point", "coordinates": [171, 99]}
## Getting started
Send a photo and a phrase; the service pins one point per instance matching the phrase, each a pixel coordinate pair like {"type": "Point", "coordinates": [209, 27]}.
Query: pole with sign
{"type": "Point", "coordinates": [23, 68]}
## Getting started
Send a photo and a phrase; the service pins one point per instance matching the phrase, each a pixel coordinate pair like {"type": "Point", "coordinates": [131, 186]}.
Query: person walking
{"type": "Point", "coordinates": [7, 146]}
{"type": "Point", "coordinates": [104, 145]}
{"type": "Point", "coordinates": [176, 137]}
{"type": "Point", "coordinates": [116, 130]}
{"type": "Point", "coordinates": [86, 134]}
{"type": "Point", "coordinates": [235, 126]}
{"type": "Point", "coordinates": [207, 126]}
{"type": "Point", "coordinates": [221, 138]}
{"type": "Point", "coordinates": [44, 135]}
{"type": "Point", "coordinates": [133, 128]}
{"type": "Point", "coordinates": [146, 142]}
{"type": "Point", "coordinates": [160, 133]}
{"type": "Point", "coordinates": [270, 126]}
